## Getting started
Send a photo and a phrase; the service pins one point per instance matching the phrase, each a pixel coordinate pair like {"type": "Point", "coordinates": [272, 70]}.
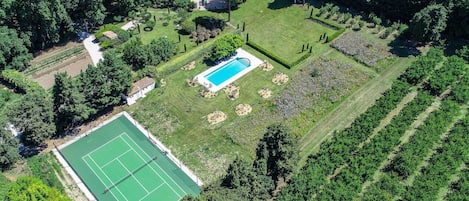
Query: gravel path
{"type": "Point", "coordinates": [93, 49]}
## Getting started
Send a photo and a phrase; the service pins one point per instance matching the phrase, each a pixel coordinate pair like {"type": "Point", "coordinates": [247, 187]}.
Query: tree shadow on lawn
{"type": "Point", "coordinates": [279, 4]}
{"type": "Point", "coordinates": [403, 47]}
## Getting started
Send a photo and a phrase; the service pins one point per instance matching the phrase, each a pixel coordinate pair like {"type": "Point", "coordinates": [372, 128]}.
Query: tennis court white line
{"type": "Point", "coordinates": [119, 136]}
{"type": "Point", "coordinates": [114, 186]}
{"type": "Point", "coordinates": [133, 176]}
{"type": "Point", "coordinates": [164, 180]}
{"type": "Point", "coordinates": [158, 167]}
{"type": "Point", "coordinates": [114, 159]}
{"type": "Point", "coordinates": [149, 193]}
{"type": "Point", "coordinates": [98, 176]}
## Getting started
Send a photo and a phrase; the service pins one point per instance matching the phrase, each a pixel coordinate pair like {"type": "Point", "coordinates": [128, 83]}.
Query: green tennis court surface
{"type": "Point", "coordinates": [118, 162]}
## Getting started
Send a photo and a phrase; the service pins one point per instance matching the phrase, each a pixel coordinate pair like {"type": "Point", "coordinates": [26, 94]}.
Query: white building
{"type": "Point", "coordinates": [139, 89]}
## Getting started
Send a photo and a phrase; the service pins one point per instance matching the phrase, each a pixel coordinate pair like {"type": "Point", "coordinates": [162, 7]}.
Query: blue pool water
{"type": "Point", "coordinates": [228, 70]}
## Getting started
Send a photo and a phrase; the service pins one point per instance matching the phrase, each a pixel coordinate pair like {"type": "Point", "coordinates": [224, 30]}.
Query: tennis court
{"type": "Point", "coordinates": [119, 162]}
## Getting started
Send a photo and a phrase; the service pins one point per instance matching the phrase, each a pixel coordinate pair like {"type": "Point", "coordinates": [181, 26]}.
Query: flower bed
{"type": "Point", "coordinates": [323, 80]}
{"type": "Point", "coordinates": [361, 49]}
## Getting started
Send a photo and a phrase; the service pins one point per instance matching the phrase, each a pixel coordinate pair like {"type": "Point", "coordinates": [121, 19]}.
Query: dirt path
{"type": "Point", "coordinates": [343, 115]}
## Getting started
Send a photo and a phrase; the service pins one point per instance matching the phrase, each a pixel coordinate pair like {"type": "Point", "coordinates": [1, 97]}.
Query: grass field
{"type": "Point", "coordinates": [282, 30]}
{"type": "Point", "coordinates": [118, 162]}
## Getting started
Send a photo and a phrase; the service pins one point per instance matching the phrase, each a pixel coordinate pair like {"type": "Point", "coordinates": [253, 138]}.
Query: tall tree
{"type": "Point", "coordinates": [8, 147]}
{"type": "Point", "coordinates": [33, 116]}
{"type": "Point", "coordinates": [117, 74]}
{"type": "Point", "coordinates": [13, 51]}
{"type": "Point", "coordinates": [46, 22]}
{"type": "Point", "coordinates": [135, 54]}
{"type": "Point", "coordinates": [95, 88]}
{"type": "Point", "coordinates": [282, 151]}
{"type": "Point", "coordinates": [428, 24]}
{"type": "Point", "coordinates": [30, 188]}
{"type": "Point", "coordinates": [69, 103]}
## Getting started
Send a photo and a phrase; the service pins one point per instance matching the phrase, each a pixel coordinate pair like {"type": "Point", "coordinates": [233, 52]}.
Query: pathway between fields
{"type": "Point", "coordinates": [93, 49]}
{"type": "Point", "coordinates": [344, 114]}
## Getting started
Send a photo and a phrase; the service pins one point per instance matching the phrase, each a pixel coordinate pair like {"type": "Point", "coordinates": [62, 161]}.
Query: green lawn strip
{"type": "Point", "coordinates": [281, 31]}
{"type": "Point", "coordinates": [442, 165]}
{"type": "Point", "coordinates": [4, 186]}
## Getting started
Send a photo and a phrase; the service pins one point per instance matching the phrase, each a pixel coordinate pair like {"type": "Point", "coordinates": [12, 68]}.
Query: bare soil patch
{"type": "Point", "coordinates": [72, 65]}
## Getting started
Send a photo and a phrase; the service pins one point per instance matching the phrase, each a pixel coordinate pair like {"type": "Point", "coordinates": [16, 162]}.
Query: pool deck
{"type": "Point", "coordinates": [240, 53]}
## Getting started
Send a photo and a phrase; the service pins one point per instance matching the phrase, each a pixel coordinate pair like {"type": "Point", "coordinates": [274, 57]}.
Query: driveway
{"type": "Point", "coordinates": [93, 49]}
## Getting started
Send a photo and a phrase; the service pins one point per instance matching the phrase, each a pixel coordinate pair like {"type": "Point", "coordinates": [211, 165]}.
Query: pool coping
{"type": "Point", "coordinates": [77, 179]}
{"type": "Point", "coordinates": [240, 53]}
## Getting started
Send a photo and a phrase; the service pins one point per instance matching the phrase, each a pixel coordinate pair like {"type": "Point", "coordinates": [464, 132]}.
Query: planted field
{"type": "Point", "coordinates": [443, 164]}
{"type": "Point", "coordinates": [348, 183]}
{"type": "Point", "coordinates": [337, 150]}
{"type": "Point", "coordinates": [411, 154]}
{"type": "Point", "coordinates": [281, 30]}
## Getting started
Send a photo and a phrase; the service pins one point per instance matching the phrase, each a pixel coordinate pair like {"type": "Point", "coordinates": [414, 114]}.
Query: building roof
{"type": "Point", "coordinates": [141, 84]}
{"type": "Point", "coordinates": [110, 34]}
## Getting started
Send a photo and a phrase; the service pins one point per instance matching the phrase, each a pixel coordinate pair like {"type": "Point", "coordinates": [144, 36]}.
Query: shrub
{"type": "Point", "coordinates": [146, 16]}
{"type": "Point", "coordinates": [210, 23]}
{"type": "Point", "coordinates": [149, 25]}
{"type": "Point", "coordinates": [225, 46]}
{"type": "Point", "coordinates": [187, 27]}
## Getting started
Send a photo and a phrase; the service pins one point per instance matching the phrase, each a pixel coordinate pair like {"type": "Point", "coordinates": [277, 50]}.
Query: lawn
{"type": "Point", "coordinates": [282, 30]}
{"type": "Point", "coordinates": [177, 113]}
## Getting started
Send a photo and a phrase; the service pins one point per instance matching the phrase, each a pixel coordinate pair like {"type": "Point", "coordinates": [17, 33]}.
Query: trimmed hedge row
{"type": "Point", "coordinates": [340, 29]}
{"type": "Point", "coordinates": [275, 57]}
{"type": "Point", "coordinates": [19, 81]}
{"type": "Point", "coordinates": [268, 54]}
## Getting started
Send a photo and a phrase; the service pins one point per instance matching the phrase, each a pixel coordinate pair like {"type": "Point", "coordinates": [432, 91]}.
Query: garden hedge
{"type": "Point", "coordinates": [275, 57]}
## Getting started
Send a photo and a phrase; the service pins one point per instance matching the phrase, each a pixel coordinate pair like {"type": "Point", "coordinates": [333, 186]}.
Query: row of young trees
{"type": "Point", "coordinates": [428, 18]}
{"type": "Point", "coordinates": [447, 75]}
{"type": "Point", "coordinates": [412, 153]}
{"type": "Point", "coordinates": [442, 165]}
{"type": "Point", "coordinates": [276, 158]}
{"type": "Point", "coordinates": [348, 182]}
{"type": "Point", "coordinates": [420, 69]}
{"type": "Point", "coordinates": [339, 149]}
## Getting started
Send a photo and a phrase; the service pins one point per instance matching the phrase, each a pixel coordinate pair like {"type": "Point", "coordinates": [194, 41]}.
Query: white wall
{"type": "Point", "coordinates": [140, 94]}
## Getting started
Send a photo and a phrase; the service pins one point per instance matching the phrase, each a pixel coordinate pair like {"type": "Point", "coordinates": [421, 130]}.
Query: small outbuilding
{"type": "Point", "coordinates": [110, 34]}
{"type": "Point", "coordinates": [139, 89]}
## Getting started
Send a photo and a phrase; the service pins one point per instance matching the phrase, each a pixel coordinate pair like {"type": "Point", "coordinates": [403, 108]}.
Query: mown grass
{"type": "Point", "coordinates": [282, 31]}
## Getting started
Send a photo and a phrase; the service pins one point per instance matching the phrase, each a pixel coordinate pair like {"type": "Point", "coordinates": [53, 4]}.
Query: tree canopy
{"type": "Point", "coordinates": [225, 46]}
{"type": "Point", "coordinates": [30, 188]}
{"type": "Point", "coordinates": [13, 50]}
{"type": "Point", "coordinates": [34, 117]}
{"type": "Point", "coordinates": [429, 23]}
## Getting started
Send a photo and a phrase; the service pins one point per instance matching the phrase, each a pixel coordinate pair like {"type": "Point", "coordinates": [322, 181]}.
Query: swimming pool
{"type": "Point", "coordinates": [228, 70]}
